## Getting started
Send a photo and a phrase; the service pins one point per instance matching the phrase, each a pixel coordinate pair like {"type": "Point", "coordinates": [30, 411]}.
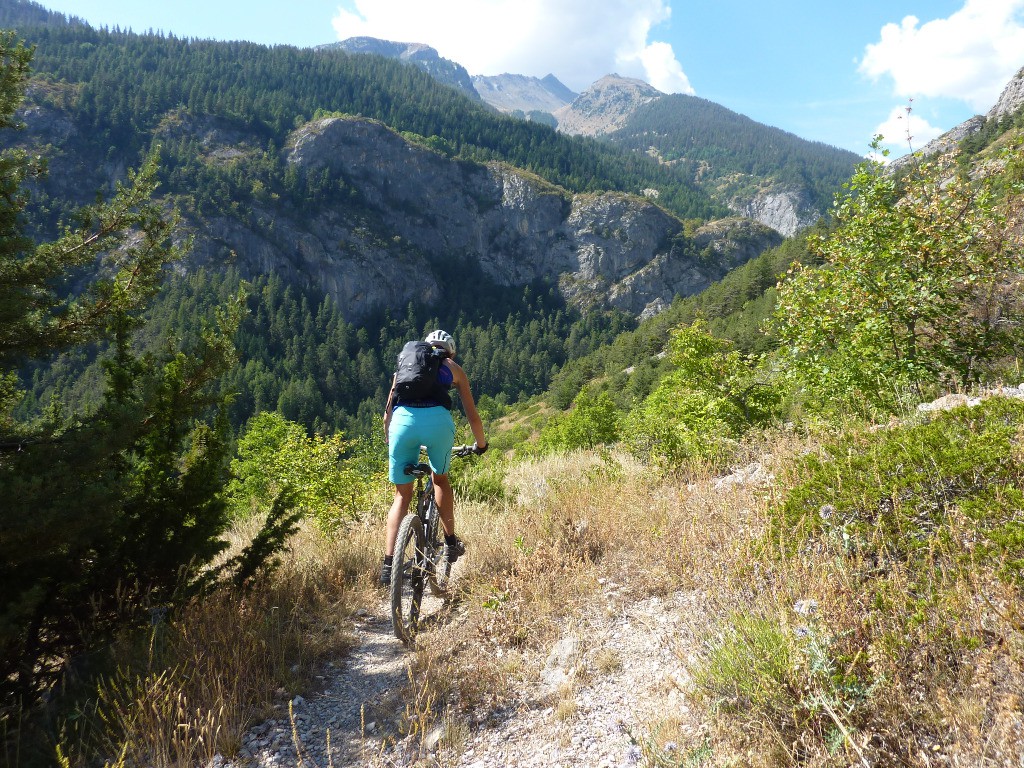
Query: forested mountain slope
{"type": "Point", "coordinates": [124, 84]}
{"type": "Point", "coordinates": [370, 191]}
{"type": "Point", "coordinates": [735, 309]}
{"type": "Point", "coordinates": [758, 171]}
{"type": "Point", "coordinates": [738, 307]}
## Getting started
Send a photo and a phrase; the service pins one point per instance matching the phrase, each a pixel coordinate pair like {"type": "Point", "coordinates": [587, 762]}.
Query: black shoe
{"type": "Point", "coordinates": [453, 550]}
{"type": "Point", "coordinates": [385, 575]}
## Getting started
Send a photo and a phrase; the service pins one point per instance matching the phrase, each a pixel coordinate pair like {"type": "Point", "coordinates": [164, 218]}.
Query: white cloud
{"type": "Point", "coordinates": [904, 130]}
{"type": "Point", "coordinates": [579, 41]}
{"type": "Point", "coordinates": [969, 57]}
{"type": "Point", "coordinates": [663, 70]}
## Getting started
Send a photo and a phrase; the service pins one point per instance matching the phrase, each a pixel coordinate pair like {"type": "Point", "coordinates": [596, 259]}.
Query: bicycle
{"type": "Point", "coordinates": [420, 555]}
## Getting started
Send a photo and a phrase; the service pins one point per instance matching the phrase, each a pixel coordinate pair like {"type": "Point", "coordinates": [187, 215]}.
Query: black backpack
{"type": "Point", "coordinates": [416, 374]}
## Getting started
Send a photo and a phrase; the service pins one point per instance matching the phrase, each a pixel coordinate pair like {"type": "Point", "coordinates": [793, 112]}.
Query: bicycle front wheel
{"type": "Point", "coordinates": [437, 578]}
{"type": "Point", "coordinates": [408, 571]}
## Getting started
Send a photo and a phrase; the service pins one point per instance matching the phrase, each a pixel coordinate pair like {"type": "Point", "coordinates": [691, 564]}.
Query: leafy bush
{"type": "Point", "coordinates": [920, 285]}
{"type": "Point", "coordinates": [713, 396]}
{"type": "Point", "coordinates": [674, 425]}
{"type": "Point", "coordinates": [593, 421]}
{"type": "Point", "coordinates": [897, 495]}
{"type": "Point", "coordinates": [275, 457]}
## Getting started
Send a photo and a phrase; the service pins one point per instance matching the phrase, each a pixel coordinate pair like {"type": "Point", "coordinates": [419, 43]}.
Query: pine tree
{"type": "Point", "coordinates": [107, 511]}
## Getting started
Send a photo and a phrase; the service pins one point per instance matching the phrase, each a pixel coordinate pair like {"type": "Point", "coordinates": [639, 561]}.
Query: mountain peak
{"type": "Point", "coordinates": [555, 86]}
{"type": "Point", "coordinates": [606, 105]}
{"type": "Point", "coordinates": [389, 48]}
{"type": "Point", "coordinates": [421, 55]}
{"type": "Point", "coordinates": [615, 80]}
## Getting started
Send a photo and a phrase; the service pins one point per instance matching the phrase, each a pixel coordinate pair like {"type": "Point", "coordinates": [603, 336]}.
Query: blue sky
{"type": "Point", "coordinates": [827, 71]}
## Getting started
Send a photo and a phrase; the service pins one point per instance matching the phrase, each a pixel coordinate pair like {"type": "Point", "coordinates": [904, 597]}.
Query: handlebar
{"type": "Point", "coordinates": [467, 450]}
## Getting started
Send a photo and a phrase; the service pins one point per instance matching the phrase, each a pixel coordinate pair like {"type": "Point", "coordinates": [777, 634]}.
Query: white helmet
{"type": "Point", "coordinates": [443, 340]}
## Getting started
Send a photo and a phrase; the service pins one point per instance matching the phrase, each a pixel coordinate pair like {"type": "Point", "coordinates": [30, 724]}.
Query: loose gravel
{"type": "Point", "coordinates": [616, 672]}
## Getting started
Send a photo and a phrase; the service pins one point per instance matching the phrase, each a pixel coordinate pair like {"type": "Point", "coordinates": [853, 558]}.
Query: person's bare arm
{"type": "Point", "coordinates": [461, 382]}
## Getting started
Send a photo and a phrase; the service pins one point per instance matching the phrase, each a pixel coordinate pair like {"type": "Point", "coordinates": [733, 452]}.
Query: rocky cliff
{"type": "Point", "coordinates": [1011, 100]}
{"type": "Point", "coordinates": [785, 209]}
{"type": "Point", "coordinates": [944, 143]}
{"type": "Point", "coordinates": [607, 249]}
{"type": "Point", "coordinates": [409, 218]}
{"type": "Point", "coordinates": [602, 110]}
{"type": "Point", "coordinates": [421, 213]}
{"type": "Point", "coordinates": [713, 250]}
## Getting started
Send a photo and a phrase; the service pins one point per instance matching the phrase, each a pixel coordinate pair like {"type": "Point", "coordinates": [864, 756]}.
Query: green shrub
{"type": "Point", "coordinates": [713, 396]}
{"type": "Point", "coordinates": [919, 286]}
{"type": "Point", "coordinates": [751, 666]}
{"type": "Point", "coordinates": [786, 680]}
{"type": "Point", "coordinates": [675, 425]}
{"type": "Point", "coordinates": [275, 457]}
{"type": "Point", "coordinates": [894, 495]}
{"type": "Point", "coordinates": [483, 481]}
{"type": "Point", "coordinates": [593, 421]}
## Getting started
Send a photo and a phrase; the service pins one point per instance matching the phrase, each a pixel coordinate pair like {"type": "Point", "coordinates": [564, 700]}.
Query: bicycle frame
{"type": "Point", "coordinates": [426, 507]}
{"type": "Point", "coordinates": [429, 514]}
{"type": "Point", "coordinates": [420, 553]}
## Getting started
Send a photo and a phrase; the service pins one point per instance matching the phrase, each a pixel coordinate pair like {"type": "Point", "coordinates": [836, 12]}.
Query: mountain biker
{"type": "Point", "coordinates": [428, 422]}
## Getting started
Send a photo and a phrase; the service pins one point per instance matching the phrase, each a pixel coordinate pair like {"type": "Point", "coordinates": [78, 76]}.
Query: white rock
{"type": "Point", "coordinates": [433, 738]}
{"type": "Point", "coordinates": [752, 474]}
{"type": "Point", "coordinates": [558, 668]}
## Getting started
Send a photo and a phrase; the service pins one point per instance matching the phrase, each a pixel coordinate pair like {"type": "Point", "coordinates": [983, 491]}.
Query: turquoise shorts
{"type": "Point", "coordinates": [412, 427]}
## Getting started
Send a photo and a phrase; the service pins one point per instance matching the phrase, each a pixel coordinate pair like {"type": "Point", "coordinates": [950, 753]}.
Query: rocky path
{"type": "Point", "coordinates": [343, 723]}
{"type": "Point", "coordinates": [619, 674]}
{"type": "Point", "coordinates": [615, 674]}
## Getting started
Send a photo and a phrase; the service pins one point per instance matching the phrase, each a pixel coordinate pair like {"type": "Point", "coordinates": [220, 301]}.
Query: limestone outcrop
{"type": "Point", "coordinates": [605, 249]}
{"type": "Point", "coordinates": [408, 217]}
{"type": "Point", "coordinates": [787, 210]}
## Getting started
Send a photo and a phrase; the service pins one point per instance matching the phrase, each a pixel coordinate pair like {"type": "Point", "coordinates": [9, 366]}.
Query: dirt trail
{"type": "Point", "coordinates": [624, 676]}
{"type": "Point", "coordinates": [615, 673]}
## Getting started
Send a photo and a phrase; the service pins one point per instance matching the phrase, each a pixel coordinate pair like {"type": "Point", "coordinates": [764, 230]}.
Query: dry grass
{"type": "Point", "coordinates": [606, 661]}
{"type": "Point", "coordinates": [849, 685]}
{"type": "Point", "coordinates": [191, 688]}
{"type": "Point", "coordinates": [566, 706]}
{"type": "Point", "coordinates": [802, 664]}
{"type": "Point", "coordinates": [841, 684]}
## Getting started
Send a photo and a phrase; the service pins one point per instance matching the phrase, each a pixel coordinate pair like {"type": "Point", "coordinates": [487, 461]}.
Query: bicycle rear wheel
{"type": "Point", "coordinates": [407, 575]}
